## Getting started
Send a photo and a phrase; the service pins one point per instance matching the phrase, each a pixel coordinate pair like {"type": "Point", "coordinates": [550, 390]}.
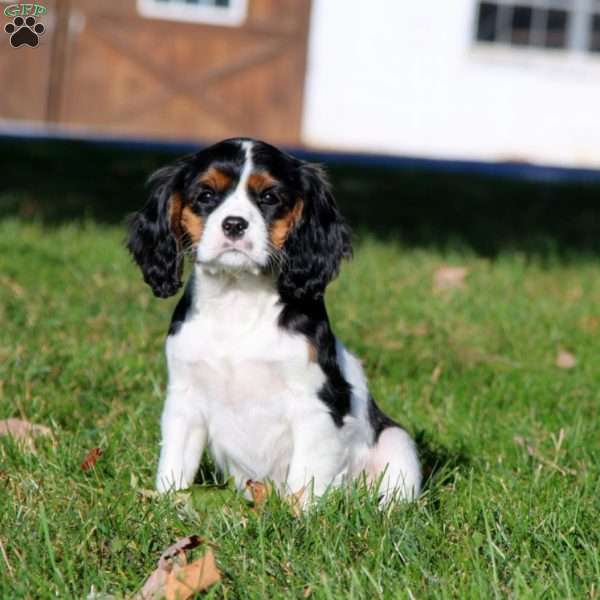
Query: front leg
{"type": "Point", "coordinates": [182, 445]}
{"type": "Point", "coordinates": [319, 458]}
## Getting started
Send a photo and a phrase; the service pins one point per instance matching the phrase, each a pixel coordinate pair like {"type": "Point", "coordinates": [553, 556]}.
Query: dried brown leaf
{"type": "Point", "coordinates": [179, 547]}
{"type": "Point", "coordinates": [154, 588]}
{"type": "Point", "coordinates": [23, 431]}
{"type": "Point", "coordinates": [565, 360]}
{"type": "Point", "coordinates": [186, 581]}
{"type": "Point", "coordinates": [91, 458]}
{"type": "Point", "coordinates": [171, 572]}
{"type": "Point", "coordinates": [258, 491]}
{"type": "Point", "coordinates": [449, 278]}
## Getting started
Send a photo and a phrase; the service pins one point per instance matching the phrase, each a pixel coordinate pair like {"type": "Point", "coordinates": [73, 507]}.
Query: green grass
{"type": "Point", "coordinates": [470, 373]}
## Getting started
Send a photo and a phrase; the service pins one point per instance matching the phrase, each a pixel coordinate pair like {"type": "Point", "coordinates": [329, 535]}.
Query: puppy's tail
{"type": "Point", "coordinates": [394, 463]}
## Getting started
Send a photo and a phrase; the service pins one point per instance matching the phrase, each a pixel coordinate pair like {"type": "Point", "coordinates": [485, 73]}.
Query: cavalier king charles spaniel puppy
{"type": "Point", "coordinates": [255, 371]}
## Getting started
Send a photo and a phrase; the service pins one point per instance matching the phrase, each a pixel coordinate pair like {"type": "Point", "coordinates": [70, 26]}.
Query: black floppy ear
{"type": "Point", "coordinates": [152, 240]}
{"type": "Point", "coordinates": [320, 240]}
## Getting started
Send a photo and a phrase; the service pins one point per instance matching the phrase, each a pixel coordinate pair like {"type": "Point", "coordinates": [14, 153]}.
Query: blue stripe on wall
{"type": "Point", "coordinates": [525, 171]}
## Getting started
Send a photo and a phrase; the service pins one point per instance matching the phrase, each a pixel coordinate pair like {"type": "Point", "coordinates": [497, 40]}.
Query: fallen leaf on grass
{"type": "Point", "coordinates": [565, 360]}
{"type": "Point", "coordinates": [155, 584]}
{"type": "Point", "coordinates": [91, 458]}
{"type": "Point", "coordinates": [23, 431]}
{"type": "Point", "coordinates": [258, 491]}
{"type": "Point", "coordinates": [449, 278]}
{"type": "Point", "coordinates": [178, 550]}
{"type": "Point", "coordinates": [175, 579]}
{"type": "Point", "coordinates": [187, 581]}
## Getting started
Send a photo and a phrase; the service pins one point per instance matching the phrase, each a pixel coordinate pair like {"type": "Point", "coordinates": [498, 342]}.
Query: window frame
{"type": "Point", "coordinates": [578, 31]}
{"type": "Point", "coordinates": [233, 15]}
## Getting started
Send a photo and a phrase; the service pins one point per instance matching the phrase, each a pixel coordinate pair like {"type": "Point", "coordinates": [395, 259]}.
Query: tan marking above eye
{"type": "Point", "coordinates": [215, 179]}
{"type": "Point", "coordinates": [280, 229]}
{"type": "Point", "coordinates": [258, 182]}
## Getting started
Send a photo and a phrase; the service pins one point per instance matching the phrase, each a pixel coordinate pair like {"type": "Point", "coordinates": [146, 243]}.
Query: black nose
{"type": "Point", "coordinates": [234, 227]}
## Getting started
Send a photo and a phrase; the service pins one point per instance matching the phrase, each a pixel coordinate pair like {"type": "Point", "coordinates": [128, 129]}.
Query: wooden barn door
{"type": "Point", "coordinates": [26, 73]}
{"type": "Point", "coordinates": [129, 75]}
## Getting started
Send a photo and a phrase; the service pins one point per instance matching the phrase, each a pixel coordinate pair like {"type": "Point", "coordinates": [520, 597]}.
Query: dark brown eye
{"type": "Point", "coordinates": [269, 197]}
{"type": "Point", "coordinates": [206, 195]}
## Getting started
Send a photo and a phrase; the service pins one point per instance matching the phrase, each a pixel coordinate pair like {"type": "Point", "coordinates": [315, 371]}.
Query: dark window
{"type": "Point", "coordinates": [486, 22]}
{"type": "Point", "coordinates": [556, 29]}
{"type": "Point", "coordinates": [521, 25]}
{"type": "Point", "coordinates": [556, 24]}
{"type": "Point", "coordinates": [595, 34]}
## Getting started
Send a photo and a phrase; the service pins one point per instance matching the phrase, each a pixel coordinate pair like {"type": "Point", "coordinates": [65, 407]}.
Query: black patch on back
{"type": "Point", "coordinates": [310, 319]}
{"type": "Point", "coordinates": [181, 311]}
{"type": "Point", "coordinates": [378, 419]}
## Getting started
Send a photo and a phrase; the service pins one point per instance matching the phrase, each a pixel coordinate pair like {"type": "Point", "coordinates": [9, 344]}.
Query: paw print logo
{"type": "Point", "coordinates": [24, 32]}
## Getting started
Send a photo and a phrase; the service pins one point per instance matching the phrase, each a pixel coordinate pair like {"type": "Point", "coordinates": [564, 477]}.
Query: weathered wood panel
{"type": "Point", "coordinates": [131, 75]}
{"type": "Point", "coordinates": [25, 72]}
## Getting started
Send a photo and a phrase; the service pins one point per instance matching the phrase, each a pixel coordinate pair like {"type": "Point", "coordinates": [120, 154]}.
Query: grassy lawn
{"type": "Point", "coordinates": [510, 441]}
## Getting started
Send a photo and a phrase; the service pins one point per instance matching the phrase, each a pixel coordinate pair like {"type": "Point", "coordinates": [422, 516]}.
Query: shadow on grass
{"type": "Point", "coordinates": [208, 474]}
{"type": "Point", "coordinates": [439, 464]}
{"type": "Point", "coordinates": [67, 181]}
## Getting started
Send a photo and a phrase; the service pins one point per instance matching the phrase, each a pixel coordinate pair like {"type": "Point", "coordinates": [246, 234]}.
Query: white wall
{"type": "Point", "coordinates": [402, 77]}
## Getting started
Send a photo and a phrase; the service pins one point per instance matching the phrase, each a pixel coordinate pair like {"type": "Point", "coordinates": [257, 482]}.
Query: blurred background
{"type": "Point", "coordinates": [468, 120]}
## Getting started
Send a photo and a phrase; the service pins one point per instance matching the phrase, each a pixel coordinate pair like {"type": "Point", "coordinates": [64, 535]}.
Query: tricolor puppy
{"type": "Point", "coordinates": [255, 370]}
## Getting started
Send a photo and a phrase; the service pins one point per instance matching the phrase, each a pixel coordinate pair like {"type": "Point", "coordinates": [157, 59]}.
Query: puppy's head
{"type": "Point", "coordinates": [241, 205]}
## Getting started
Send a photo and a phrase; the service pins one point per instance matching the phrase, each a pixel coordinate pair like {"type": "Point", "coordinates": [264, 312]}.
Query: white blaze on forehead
{"type": "Point", "coordinates": [238, 204]}
{"type": "Point", "coordinates": [248, 164]}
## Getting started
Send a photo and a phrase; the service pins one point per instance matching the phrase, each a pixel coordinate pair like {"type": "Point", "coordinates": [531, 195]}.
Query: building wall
{"type": "Point", "coordinates": [406, 78]}
{"type": "Point", "coordinates": [103, 68]}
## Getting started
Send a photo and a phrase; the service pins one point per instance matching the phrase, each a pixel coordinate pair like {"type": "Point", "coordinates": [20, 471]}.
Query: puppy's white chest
{"type": "Point", "coordinates": [259, 367]}
{"type": "Point", "coordinates": [247, 380]}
